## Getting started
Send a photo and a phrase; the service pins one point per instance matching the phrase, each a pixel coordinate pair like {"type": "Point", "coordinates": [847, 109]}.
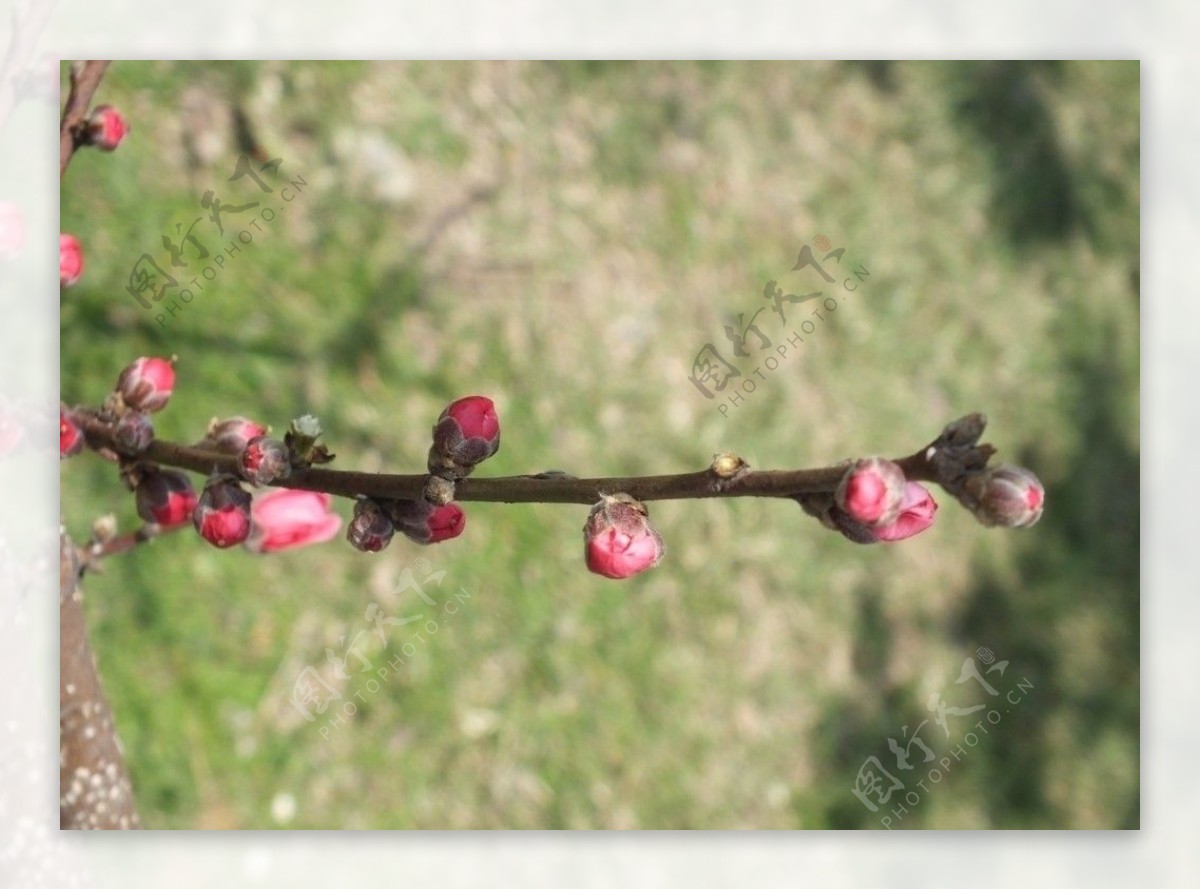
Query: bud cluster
{"type": "Point", "coordinates": [874, 502]}
{"type": "Point", "coordinates": [376, 520]}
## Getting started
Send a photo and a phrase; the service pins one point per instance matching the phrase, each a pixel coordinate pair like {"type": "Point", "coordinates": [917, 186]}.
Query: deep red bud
{"type": "Point", "coordinates": [446, 522]}
{"type": "Point", "coordinates": [106, 127]}
{"type": "Point", "coordinates": [222, 513]}
{"type": "Point", "coordinates": [426, 523]}
{"type": "Point", "coordinates": [70, 436]}
{"type": "Point", "coordinates": [147, 384]}
{"type": "Point", "coordinates": [1008, 496]}
{"type": "Point", "coordinates": [264, 461]}
{"type": "Point", "coordinates": [133, 432]}
{"type": "Point", "coordinates": [476, 417]}
{"type": "Point", "coordinates": [871, 491]}
{"type": "Point", "coordinates": [165, 496]}
{"type": "Point", "coordinates": [70, 259]}
{"type": "Point", "coordinates": [371, 528]}
{"type": "Point", "coordinates": [467, 432]}
{"type": "Point", "coordinates": [618, 540]}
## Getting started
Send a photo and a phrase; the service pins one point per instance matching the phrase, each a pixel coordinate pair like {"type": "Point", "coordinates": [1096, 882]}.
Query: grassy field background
{"type": "Point", "coordinates": [566, 238]}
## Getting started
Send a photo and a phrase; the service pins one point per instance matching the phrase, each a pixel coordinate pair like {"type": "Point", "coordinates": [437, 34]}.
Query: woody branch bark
{"type": "Point", "coordinates": [85, 80]}
{"type": "Point", "coordinates": [94, 787]}
{"type": "Point", "coordinates": [944, 461]}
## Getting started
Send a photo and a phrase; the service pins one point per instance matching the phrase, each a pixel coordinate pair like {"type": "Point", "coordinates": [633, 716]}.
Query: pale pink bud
{"type": "Point", "coordinates": [286, 518]}
{"type": "Point", "coordinates": [917, 510]}
{"type": "Point", "coordinates": [106, 127]}
{"type": "Point", "coordinates": [871, 491]}
{"type": "Point", "coordinates": [1008, 496]}
{"type": "Point", "coordinates": [70, 259]}
{"type": "Point", "coordinates": [147, 384]}
{"type": "Point", "coordinates": [222, 513]}
{"type": "Point", "coordinates": [619, 541]}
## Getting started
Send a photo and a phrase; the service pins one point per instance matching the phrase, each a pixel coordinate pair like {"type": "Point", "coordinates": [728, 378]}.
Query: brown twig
{"type": "Point", "coordinates": [96, 550]}
{"type": "Point", "coordinates": [85, 80]}
{"type": "Point", "coordinates": [943, 461]}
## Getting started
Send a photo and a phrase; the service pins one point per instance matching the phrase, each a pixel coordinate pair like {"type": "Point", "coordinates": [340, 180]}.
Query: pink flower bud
{"type": "Point", "coordinates": [222, 513]}
{"type": "Point", "coordinates": [165, 497]}
{"type": "Point", "coordinates": [231, 436]}
{"type": "Point", "coordinates": [871, 491]}
{"type": "Point", "coordinates": [106, 127]}
{"type": "Point", "coordinates": [917, 509]}
{"type": "Point", "coordinates": [1008, 496]}
{"type": "Point", "coordinates": [70, 436]}
{"type": "Point", "coordinates": [264, 460]}
{"type": "Point", "coordinates": [286, 518]}
{"type": "Point", "coordinates": [467, 432]}
{"type": "Point", "coordinates": [12, 230]}
{"type": "Point", "coordinates": [618, 539]}
{"type": "Point", "coordinates": [446, 522]}
{"type": "Point", "coordinates": [371, 529]}
{"type": "Point", "coordinates": [146, 385]}
{"type": "Point", "coordinates": [70, 259]}
{"type": "Point", "coordinates": [133, 432]}
{"type": "Point", "coordinates": [426, 523]}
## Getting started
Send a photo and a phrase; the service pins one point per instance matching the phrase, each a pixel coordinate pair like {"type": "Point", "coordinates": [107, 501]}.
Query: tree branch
{"type": "Point", "coordinates": [85, 80]}
{"type": "Point", "coordinates": [943, 461]}
{"type": "Point", "coordinates": [94, 787]}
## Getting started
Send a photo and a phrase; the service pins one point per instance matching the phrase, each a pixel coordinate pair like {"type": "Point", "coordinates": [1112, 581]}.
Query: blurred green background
{"type": "Point", "coordinates": [566, 238]}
